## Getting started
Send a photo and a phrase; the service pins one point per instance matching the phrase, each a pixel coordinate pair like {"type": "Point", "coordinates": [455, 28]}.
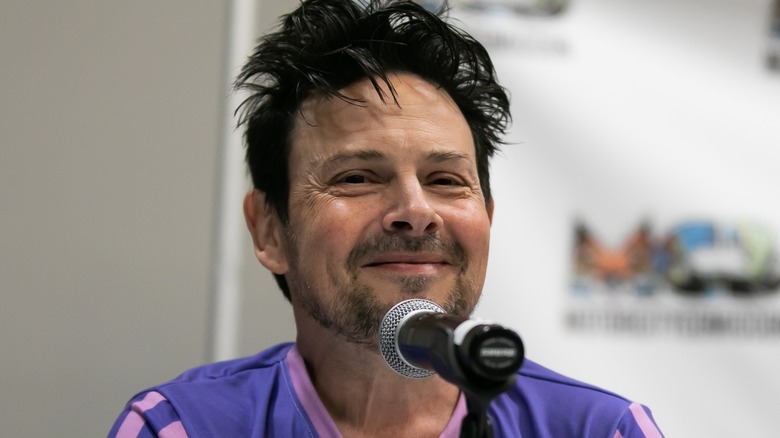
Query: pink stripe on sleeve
{"type": "Point", "coordinates": [150, 401]}
{"type": "Point", "coordinates": [130, 426]}
{"type": "Point", "coordinates": [173, 430]}
{"type": "Point", "coordinates": [134, 421]}
{"type": "Point", "coordinates": [644, 422]}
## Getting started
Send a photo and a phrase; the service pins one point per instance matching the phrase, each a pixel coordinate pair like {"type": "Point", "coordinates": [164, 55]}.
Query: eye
{"type": "Point", "coordinates": [444, 182]}
{"type": "Point", "coordinates": [446, 179]}
{"type": "Point", "coordinates": [354, 179]}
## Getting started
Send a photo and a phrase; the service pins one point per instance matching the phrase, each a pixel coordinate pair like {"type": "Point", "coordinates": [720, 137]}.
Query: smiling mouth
{"type": "Point", "coordinates": [411, 261]}
{"type": "Point", "coordinates": [409, 267]}
{"type": "Point", "coordinates": [405, 262]}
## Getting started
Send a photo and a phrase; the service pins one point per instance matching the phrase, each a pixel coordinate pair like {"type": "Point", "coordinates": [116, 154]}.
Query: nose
{"type": "Point", "coordinates": [410, 211]}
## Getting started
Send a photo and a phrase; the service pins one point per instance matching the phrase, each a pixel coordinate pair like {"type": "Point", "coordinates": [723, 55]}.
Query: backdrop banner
{"type": "Point", "coordinates": [636, 227]}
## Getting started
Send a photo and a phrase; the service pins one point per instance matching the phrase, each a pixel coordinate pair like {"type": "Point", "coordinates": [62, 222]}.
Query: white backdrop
{"type": "Point", "coordinates": [626, 111]}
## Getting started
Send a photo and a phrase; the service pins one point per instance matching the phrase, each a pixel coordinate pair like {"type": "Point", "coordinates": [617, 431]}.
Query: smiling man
{"type": "Point", "coordinates": [385, 204]}
{"type": "Point", "coordinates": [369, 129]}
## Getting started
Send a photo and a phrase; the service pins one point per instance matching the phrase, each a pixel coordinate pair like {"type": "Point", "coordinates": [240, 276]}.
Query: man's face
{"type": "Point", "coordinates": [385, 205]}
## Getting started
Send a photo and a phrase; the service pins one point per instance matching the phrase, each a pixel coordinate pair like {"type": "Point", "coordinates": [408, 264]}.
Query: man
{"type": "Point", "coordinates": [369, 129]}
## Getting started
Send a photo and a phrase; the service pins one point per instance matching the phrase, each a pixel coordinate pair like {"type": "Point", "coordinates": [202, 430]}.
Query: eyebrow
{"type": "Point", "coordinates": [374, 155]}
{"type": "Point", "coordinates": [364, 155]}
{"type": "Point", "coordinates": [447, 156]}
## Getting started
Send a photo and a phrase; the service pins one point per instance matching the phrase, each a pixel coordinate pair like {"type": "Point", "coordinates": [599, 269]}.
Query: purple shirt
{"type": "Point", "coordinates": [270, 395]}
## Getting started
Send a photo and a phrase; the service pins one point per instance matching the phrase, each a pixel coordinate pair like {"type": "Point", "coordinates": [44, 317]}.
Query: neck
{"type": "Point", "coordinates": [364, 396]}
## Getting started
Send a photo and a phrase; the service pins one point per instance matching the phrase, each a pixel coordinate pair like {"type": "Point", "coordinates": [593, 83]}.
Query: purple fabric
{"type": "Point", "coordinates": [319, 416]}
{"type": "Point", "coordinates": [270, 395]}
{"type": "Point", "coordinates": [545, 404]}
{"type": "Point", "coordinates": [149, 415]}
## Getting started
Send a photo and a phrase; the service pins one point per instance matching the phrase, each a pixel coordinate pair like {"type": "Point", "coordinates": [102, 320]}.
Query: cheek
{"type": "Point", "coordinates": [473, 233]}
{"type": "Point", "coordinates": [472, 228]}
{"type": "Point", "coordinates": [329, 229]}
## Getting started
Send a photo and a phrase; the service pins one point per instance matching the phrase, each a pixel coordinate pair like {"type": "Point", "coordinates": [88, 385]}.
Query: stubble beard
{"type": "Point", "coordinates": [356, 313]}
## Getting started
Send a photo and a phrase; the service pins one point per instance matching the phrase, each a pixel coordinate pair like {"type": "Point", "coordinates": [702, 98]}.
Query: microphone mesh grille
{"type": "Point", "coordinates": [388, 335]}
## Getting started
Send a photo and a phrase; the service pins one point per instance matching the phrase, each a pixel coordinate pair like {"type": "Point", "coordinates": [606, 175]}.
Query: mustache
{"type": "Point", "coordinates": [384, 243]}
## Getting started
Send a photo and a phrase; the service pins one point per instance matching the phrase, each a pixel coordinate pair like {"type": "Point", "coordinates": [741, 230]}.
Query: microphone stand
{"type": "Point", "coordinates": [483, 364]}
{"type": "Point", "coordinates": [476, 423]}
{"type": "Point", "coordinates": [481, 358]}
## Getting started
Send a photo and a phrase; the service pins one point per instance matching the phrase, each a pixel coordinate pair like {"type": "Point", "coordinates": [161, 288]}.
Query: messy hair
{"type": "Point", "coordinates": [326, 45]}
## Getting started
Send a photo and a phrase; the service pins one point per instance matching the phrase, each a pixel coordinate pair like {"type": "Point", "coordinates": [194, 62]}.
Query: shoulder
{"type": "Point", "coordinates": [148, 414]}
{"type": "Point", "coordinates": [544, 384]}
{"type": "Point", "coordinates": [227, 385]}
{"type": "Point", "coordinates": [233, 394]}
{"type": "Point", "coordinates": [543, 403]}
{"type": "Point", "coordinates": [240, 396]}
{"type": "Point", "coordinates": [222, 373]}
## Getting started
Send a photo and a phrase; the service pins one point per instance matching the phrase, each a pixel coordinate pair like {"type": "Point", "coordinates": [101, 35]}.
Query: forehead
{"type": "Point", "coordinates": [424, 115]}
{"type": "Point", "coordinates": [411, 91]}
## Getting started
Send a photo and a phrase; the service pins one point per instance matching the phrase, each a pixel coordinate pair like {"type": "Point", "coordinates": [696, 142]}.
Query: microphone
{"type": "Point", "coordinates": [418, 339]}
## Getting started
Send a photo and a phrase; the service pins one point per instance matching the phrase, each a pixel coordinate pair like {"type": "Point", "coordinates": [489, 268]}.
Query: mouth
{"type": "Point", "coordinates": [409, 263]}
{"type": "Point", "coordinates": [407, 259]}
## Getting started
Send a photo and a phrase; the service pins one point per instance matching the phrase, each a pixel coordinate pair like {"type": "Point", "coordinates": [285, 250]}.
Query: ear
{"type": "Point", "coordinates": [267, 233]}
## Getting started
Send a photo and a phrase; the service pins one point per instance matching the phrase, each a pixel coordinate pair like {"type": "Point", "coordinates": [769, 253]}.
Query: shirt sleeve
{"type": "Point", "coordinates": [148, 415]}
{"type": "Point", "coordinates": [637, 422]}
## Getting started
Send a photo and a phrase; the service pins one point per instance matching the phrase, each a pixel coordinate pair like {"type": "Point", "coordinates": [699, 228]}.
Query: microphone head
{"type": "Point", "coordinates": [388, 335]}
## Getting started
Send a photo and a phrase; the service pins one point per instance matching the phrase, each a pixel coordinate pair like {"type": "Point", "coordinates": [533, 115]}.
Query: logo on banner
{"type": "Point", "coordinates": [697, 276]}
{"type": "Point", "coordinates": [696, 258]}
{"type": "Point", "coordinates": [522, 26]}
{"type": "Point", "coordinates": [520, 7]}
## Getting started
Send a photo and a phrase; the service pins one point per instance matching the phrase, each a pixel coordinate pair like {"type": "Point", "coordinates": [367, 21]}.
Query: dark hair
{"type": "Point", "coordinates": [326, 45]}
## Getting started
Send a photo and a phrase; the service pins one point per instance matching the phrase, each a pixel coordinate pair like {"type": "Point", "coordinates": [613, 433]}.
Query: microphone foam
{"type": "Point", "coordinates": [388, 335]}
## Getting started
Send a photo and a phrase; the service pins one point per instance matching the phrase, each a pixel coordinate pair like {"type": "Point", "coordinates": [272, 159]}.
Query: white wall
{"type": "Point", "coordinates": [108, 136]}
